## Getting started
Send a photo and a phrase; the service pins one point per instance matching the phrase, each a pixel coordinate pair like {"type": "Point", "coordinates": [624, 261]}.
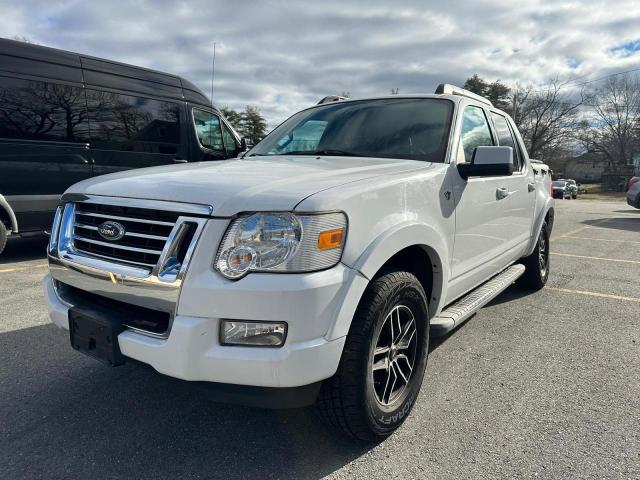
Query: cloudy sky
{"type": "Point", "coordinates": [284, 55]}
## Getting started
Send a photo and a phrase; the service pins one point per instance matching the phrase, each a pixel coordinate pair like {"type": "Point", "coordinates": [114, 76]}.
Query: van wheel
{"type": "Point", "coordinates": [537, 264]}
{"type": "Point", "coordinates": [383, 362]}
{"type": "Point", "coordinates": [3, 236]}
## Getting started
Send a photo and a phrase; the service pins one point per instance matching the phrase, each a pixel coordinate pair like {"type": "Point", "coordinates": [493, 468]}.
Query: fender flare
{"type": "Point", "coordinates": [12, 216]}
{"type": "Point", "coordinates": [537, 225]}
{"type": "Point", "coordinates": [404, 235]}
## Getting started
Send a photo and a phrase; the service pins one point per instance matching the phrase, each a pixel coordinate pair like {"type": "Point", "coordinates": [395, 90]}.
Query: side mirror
{"type": "Point", "coordinates": [243, 144]}
{"type": "Point", "coordinates": [488, 162]}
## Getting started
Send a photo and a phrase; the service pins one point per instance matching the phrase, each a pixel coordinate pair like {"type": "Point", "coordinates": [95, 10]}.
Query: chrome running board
{"type": "Point", "coordinates": [463, 308]}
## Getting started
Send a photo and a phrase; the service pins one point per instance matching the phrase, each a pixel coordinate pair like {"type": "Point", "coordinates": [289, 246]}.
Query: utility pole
{"type": "Point", "coordinates": [213, 71]}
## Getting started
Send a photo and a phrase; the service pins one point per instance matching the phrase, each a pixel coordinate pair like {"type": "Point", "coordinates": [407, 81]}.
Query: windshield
{"type": "Point", "coordinates": [409, 128]}
{"type": "Point", "coordinates": [559, 184]}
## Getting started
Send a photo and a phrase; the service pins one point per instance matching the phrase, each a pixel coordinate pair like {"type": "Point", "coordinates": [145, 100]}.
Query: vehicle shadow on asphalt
{"type": "Point", "coordinates": [513, 293]}
{"type": "Point", "coordinates": [616, 223]}
{"type": "Point", "coordinates": [24, 250]}
{"type": "Point", "coordinates": [66, 415]}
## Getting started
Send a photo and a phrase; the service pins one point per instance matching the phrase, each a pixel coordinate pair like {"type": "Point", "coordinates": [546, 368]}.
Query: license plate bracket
{"type": "Point", "coordinates": [95, 334]}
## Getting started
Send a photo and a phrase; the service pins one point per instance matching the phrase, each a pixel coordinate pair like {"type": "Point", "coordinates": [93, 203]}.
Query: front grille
{"type": "Point", "coordinates": [146, 233]}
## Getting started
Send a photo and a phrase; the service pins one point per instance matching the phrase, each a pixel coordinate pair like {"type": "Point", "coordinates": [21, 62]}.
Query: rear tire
{"type": "Point", "coordinates": [537, 264]}
{"type": "Point", "coordinates": [3, 237]}
{"type": "Point", "coordinates": [383, 362]}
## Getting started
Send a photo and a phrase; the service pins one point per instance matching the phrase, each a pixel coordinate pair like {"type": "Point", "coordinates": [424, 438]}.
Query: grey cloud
{"type": "Point", "coordinates": [284, 55]}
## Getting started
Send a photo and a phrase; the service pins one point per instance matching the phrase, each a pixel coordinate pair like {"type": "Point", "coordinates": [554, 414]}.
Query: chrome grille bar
{"type": "Point", "coordinates": [127, 234]}
{"type": "Point", "coordinates": [115, 245]}
{"type": "Point", "coordinates": [130, 219]}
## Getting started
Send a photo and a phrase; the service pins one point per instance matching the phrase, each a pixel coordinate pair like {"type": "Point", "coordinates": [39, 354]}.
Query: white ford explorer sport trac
{"type": "Point", "coordinates": [315, 268]}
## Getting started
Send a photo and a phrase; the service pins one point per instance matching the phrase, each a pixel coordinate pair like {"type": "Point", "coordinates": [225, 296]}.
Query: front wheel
{"type": "Point", "coordinates": [537, 264]}
{"type": "Point", "coordinates": [383, 362]}
{"type": "Point", "coordinates": [3, 236]}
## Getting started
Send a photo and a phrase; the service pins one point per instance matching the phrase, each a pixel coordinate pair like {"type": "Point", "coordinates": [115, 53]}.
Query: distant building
{"type": "Point", "coordinates": [587, 168]}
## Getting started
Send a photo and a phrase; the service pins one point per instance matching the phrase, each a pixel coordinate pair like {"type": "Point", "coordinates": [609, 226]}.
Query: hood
{"type": "Point", "coordinates": [240, 185]}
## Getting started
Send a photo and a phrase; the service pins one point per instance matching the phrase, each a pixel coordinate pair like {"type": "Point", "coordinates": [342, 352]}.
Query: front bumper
{"type": "Point", "coordinates": [309, 303]}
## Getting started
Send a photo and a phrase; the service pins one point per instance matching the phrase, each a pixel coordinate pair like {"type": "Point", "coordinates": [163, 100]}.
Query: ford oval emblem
{"type": "Point", "coordinates": [111, 230]}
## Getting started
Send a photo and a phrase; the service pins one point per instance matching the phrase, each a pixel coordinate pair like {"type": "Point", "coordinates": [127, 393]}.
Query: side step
{"type": "Point", "coordinates": [464, 307]}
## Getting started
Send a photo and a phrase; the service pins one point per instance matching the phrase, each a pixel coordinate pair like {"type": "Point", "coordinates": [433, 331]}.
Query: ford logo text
{"type": "Point", "coordinates": [111, 230]}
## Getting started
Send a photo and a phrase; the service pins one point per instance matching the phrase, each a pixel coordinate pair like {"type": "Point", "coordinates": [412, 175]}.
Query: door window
{"type": "Point", "coordinates": [505, 138]}
{"type": "Point", "coordinates": [475, 132]}
{"type": "Point", "coordinates": [208, 130]}
{"type": "Point", "coordinates": [133, 124]}
{"type": "Point", "coordinates": [35, 110]}
{"type": "Point", "coordinates": [230, 143]}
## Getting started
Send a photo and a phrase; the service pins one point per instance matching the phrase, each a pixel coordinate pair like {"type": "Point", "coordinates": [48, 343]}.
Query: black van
{"type": "Point", "coordinates": [65, 117]}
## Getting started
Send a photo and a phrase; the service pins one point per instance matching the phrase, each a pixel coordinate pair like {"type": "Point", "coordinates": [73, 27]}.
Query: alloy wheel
{"type": "Point", "coordinates": [394, 355]}
{"type": "Point", "coordinates": [543, 254]}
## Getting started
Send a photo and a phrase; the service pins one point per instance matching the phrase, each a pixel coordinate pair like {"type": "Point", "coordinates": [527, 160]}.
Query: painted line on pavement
{"type": "Point", "coordinates": [597, 239]}
{"type": "Point", "coordinates": [594, 294]}
{"type": "Point", "coordinates": [18, 269]}
{"type": "Point", "coordinates": [596, 258]}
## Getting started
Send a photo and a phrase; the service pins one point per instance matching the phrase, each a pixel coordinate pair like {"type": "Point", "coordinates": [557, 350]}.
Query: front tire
{"type": "Point", "coordinates": [3, 237]}
{"type": "Point", "coordinates": [537, 264]}
{"type": "Point", "coordinates": [383, 362]}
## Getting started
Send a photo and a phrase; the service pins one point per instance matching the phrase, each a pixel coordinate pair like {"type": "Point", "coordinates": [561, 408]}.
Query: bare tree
{"type": "Point", "coordinates": [547, 119]}
{"type": "Point", "coordinates": [614, 128]}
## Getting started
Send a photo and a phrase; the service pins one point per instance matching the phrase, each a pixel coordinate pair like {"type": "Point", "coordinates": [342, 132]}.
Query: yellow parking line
{"type": "Point", "coordinates": [594, 294]}
{"type": "Point", "coordinates": [8, 270]}
{"type": "Point", "coordinates": [597, 239]}
{"type": "Point", "coordinates": [595, 258]}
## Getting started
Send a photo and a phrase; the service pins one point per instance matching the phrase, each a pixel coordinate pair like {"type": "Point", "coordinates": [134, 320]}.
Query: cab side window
{"type": "Point", "coordinates": [133, 124]}
{"type": "Point", "coordinates": [230, 143]}
{"type": "Point", "coordinates": [45, 111]}
{"type": "Point", "coordinates": [506, 138]}
{"type": "Point", "coordinates": [208, 130]}
{"type": "Point", "coordinates": [475, 132]}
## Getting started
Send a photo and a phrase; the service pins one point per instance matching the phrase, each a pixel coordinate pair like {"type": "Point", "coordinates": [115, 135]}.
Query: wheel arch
{"type": "Point", "coordinates": [417, 248]}
{"type": "Point", "coordinates": [547, 215]}
{"type": "Point", "coordinates": [7, 216]}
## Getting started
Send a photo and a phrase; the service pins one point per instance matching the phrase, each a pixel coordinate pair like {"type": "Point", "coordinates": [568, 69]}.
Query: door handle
{"type": "Point", "coordinates": [179, 160]}
{"type": "Point", "coordinates": [502, 192]}
{"type": "Point", "coordinates": [531, 187]}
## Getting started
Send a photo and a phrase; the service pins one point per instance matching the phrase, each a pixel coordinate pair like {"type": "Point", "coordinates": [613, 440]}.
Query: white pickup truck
{"type": "Point", "coordinates": [315, 268]}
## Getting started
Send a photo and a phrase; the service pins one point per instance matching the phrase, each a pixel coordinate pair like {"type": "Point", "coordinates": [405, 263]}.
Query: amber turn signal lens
{"type": "Point", "coordinates": [330, 239]}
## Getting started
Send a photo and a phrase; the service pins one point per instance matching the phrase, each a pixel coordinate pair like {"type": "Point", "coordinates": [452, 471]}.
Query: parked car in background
{"type": "Point", "coordinates": [572, 186]}
{"type": "Point", "coordinates": [65, 117]}
{"type": "Point", "coordinates": [633, 193]}
{"type": "Point", "coordinates": [561, 189]}
{"type": "Point", "coordinates": [316, 267]}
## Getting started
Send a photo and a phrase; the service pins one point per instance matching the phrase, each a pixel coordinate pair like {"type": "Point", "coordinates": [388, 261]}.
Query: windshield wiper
{"type": "Point", "coordinates": [325, 152]}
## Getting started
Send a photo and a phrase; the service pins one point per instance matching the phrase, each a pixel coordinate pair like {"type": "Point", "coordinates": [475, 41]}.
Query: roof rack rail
{"type": "Point", "coordinates": [448, 89]}
{"type": "Point", "coordinates": [332, 98]}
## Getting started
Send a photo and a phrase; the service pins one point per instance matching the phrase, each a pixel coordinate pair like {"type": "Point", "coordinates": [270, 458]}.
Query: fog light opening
{"type": "Point", "coordinates": [253, 334]}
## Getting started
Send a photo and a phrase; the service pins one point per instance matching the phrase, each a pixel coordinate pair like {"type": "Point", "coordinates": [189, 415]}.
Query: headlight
{"type": "Point", "coordinates": [281, 242]}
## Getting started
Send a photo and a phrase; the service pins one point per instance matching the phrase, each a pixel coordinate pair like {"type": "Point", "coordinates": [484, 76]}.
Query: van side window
{"type": "Point", "coordinates": [475, 131]}
{"type": "Point", "coordinates": [230, 143]}
{"type": "Point", "coordinates": [505, 138]}
{"type": "Point", "coordinates": [208, 130]}
{"type": "Point", "coordinates": [35, 110]}
{"type": "Point", "coordinates": [134, 124]}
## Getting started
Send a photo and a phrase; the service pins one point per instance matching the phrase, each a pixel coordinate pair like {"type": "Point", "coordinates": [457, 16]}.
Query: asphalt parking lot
{"type": "Point", "coordinates": [543, 385]}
